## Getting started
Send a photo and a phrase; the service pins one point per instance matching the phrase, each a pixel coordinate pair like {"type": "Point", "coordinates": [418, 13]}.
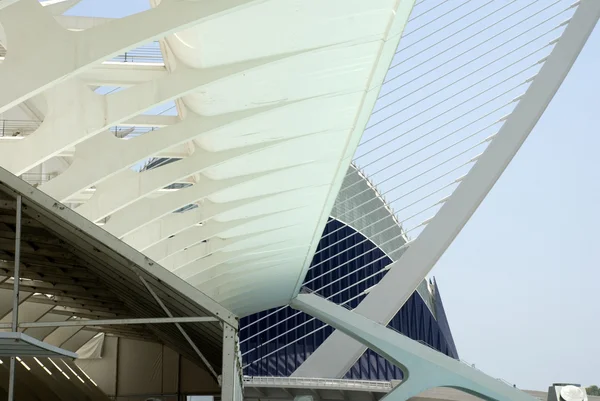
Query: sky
{"type": "Point", "coordinates": [521, 282]}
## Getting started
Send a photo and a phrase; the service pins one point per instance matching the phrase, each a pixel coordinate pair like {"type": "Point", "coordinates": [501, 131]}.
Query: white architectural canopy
{"type": "Point", "coordinates": [264, 126]}
{"type": "Point", "coordinates": [215, 136]}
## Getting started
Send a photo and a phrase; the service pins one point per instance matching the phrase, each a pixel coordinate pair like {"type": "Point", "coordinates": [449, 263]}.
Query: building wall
{"type": "Point", "coordinates": [277, 343]}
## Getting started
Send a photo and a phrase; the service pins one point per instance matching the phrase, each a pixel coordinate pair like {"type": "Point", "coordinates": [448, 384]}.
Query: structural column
{"type": "Point", "coordinates": [15, 310]}
{"type": "Point", "coordinates": [230, 375]}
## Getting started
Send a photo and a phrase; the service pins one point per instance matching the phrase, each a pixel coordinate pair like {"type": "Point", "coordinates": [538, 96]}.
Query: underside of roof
{"type": "Point", "coordinates": [265, 126]}
{"type": "Point", "coordinates": [72, 269]}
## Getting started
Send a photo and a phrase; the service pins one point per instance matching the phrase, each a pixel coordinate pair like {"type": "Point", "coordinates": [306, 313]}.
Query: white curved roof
{"type": "Point", "coordinates": [272, 98]}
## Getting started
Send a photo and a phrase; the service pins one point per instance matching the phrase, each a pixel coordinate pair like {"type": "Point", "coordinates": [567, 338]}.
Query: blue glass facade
{"type": "Point", "coordinates": [277, 343]}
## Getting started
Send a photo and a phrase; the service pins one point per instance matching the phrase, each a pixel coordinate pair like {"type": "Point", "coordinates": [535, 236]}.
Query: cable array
{"type": "Point", "coordinates": [460, 70]}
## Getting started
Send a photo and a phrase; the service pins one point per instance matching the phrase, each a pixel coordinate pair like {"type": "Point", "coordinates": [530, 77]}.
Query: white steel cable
{"type": "Point", "coordinates": [449, 98]}
{"type": "Point", "coordinates": [437, 116]}
{"type": "Point", "coordinates": [386, 205]}
{"type": "Point", "coordinates": [472, 35]}
{"type": "Point", "coordinates": [416, 164]}
{"type": "Point", "coordinates": [426, 12]}
{"type": "Point", "coordinates": [445, 26]}
{"type": "Point", "coordinates": [464, 102]}
{"type": "Point", "coordinates": [446, 136]}
{"type": "Point", "coordinates": [320, 263]}
{"type": "Point", "coordinates": [400, 197]}
{"type": "Point", "coordinates": [478, 57]}
{"type": "Point", "coordinates": [447, 123]}
{"type": "Point", "coordinates": [452, 133]}
{"type": "Point", "coordinates": [460, 79]}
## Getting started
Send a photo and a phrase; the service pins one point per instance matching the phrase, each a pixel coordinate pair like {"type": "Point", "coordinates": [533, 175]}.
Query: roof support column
{"type": "Point", "coordinates": [231, 384]}
{"type": "Point", "coordinates": [423, 367]}
{"type": "Point", "coordinates": [15, 314]}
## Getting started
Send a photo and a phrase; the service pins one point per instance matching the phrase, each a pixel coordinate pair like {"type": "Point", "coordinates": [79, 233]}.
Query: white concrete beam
{"type": "Point", "coordinates": [147, 120]}
{"type": "Point", "coordinates": [91, 164]}
{"type": "Point", "coordinates": [178, 152]}
{"type": "Point", "coordinates": [129, 186]}
{"type": "Point", "coordinates": [122, 74]}
{"type": "Point", "coordinates": [189, 270]}
{"type": "Point", "coordinates": [424, 368]}
{"type": "Point", "coordinates": [52, 42]}
{"type": "Point", "coordinates": [6, 3]}
{"type": "Point", "coordinates": [80, 23]}
{"type": "Point", "coordinates": [221, 274]}
{"type": "Point", "coordinates": [408, 272]}
{"type": "Point", "coordinates": [146, 211]}
{"type": "Point", "coordinates": [239, 243]}
{"type": "Point", "coordinates": [201, 250]}
{"type": "Point", "coordinates": [128, 103]}
{"type": "Point", "coordinates": [58, 7]}
{"type": "Point", "coordinates": [192, 236]}
{"type": "Point", "coordinates": [230, 278]}
{"type": "Point", "coordinates": [175, 223]}
{"type": "Point", "coordinates": [77, 113]}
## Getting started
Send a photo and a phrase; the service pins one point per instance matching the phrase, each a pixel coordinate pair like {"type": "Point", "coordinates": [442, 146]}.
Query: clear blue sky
{"type": "Point", "coordinates": [521, 283]}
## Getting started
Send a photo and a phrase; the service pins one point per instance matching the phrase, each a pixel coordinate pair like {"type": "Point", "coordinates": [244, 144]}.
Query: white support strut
{"type": "Point", "coordinates": [423, 367]}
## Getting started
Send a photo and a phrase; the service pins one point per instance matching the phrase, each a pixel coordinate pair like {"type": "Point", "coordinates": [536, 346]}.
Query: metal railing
{"type": "Point", "coordinates": [360, 385]}
{"type": "Point", "coordinates": [127, 132]}
{"type": "Point", "coordinates": [149, 53]}
{"type": "Point", "coordinates": [17, 128]}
